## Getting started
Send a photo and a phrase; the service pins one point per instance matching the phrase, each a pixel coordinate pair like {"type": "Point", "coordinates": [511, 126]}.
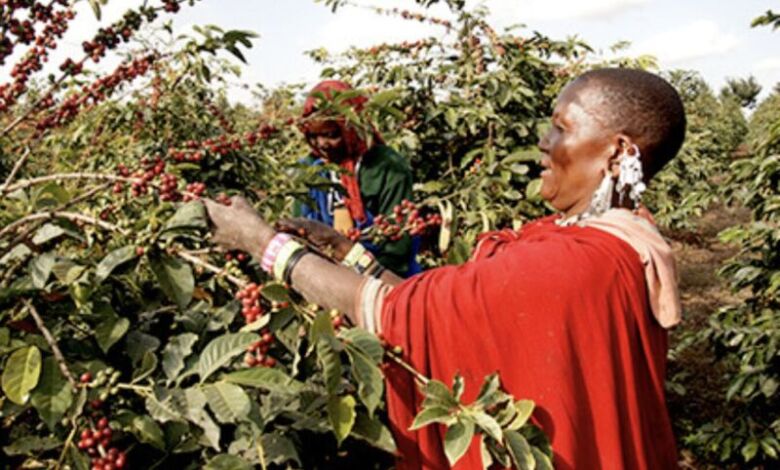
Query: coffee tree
{"type": "Point", "coordinates": [745, 336]}
{"type": "Point", "coordinates": [691, 182]}
{"type": "Point", "coordinates": [128, 341]}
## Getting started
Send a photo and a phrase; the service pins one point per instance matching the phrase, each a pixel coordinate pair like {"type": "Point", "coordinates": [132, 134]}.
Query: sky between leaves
{"type": "Point", "coordinates": [713, 37]}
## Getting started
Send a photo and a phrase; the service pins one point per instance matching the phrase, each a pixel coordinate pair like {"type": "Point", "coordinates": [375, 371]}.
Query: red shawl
{"type": "Point", "coordinates": [355, 146]}
{"type": "Point", "coordinates": [562, 314]}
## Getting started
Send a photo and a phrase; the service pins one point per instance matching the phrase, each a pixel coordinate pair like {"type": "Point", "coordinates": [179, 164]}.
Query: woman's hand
{"type": "Point", "coordinates": [320, 236]}
{"type": "Point", "coordinates": [238, 226]}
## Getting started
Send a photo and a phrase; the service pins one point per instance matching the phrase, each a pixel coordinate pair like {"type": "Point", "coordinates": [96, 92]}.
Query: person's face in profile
{"type": "Point", "coordinates": [577, 149]}
{"type": "Point", "coordinates": [325, 137]}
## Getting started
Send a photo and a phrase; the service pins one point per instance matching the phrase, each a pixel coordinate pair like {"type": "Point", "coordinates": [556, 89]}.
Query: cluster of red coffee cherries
{"type": "Point", "coordinates": [194, 151]}
{"type": "Point", "coordinates": [237, 255]}
{"type": "Point", "coordinates": [110, 37]}
{"type": "Point", "coordinates": [406, 218]}
{"type": "Point", "coordinates": [171, 6]}
{"type": "Point", "coordinates": [257, 352]}
{"type": "Point", "coordinates": [193, 191]}
{"type": "Point", "coordinates": [55, 25]}
{"type": "Point", "coordinates": [95, 93]}
{"type": "Point", "coordinates": [249, 296]}
{"type": "Point", "coordinates": [405, 46]}
{"type": "Point", "coordinates": [223, 199]}
{"type": "Point", "coordinates": [169, 187]}
{"type": "Point", "coordinates": [96, 440]}
{"type": "Point", "coordinates": [224, 123]}
{"type": "Point", "coordinates": [410, 15]}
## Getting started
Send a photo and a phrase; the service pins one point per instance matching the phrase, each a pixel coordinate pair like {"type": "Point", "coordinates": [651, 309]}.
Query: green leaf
{"type": "Point", "coordinates": [113, 260]}
{"type": "Point", "coordinates": [433, 414]}
{"type": "Point", "coordinates": [162, 409]}
{"type": "Point", "coordinates": [321, 327]}
{"type": "Point", "coordinates": [457, 439]}
{"type": "Point", "coordinates": [374, 432]}
{"type": "Point", "coordinates": [177, 349]}
{"type": "Point", "coordinates": [221, 350]}
{"type": "Point", "coordinates": [228, 402]}
{"type": "Point", "coordinates": [533, 189]}
{"type": "Point", "coordinates": [436, 393]}
{"type": "Point", "coordinates": [275, 292]}
{"type": "Point", "coordinates": [21, 373]}
{"type": "Point", "coordinates": [341, 413]}
{"type": "Point", "coordinates": [524, 409]}
{"type": "Point", "coordinates": [111, 330]}
{"type": "Point", "coordinates": [53, 395]}
{"type": "Point", "coordinates": [369, 378]}
{"type": "Point", "coordinates": [543, 461]}
{"type": "Point", "coordinates": [138, 344]}
{"type": "Point", "coordinates": [189, 216]}
{"type": "Point", "coordinates": [67, 271]}
{"type": "Point", "coordinates": [95, 4]}
{"type": "Point", "coordinates": [50, 196]}
{"type": "Point", "coordinates": [148, 431]}
{"type": "Point", "coordinates": [146, 367]}
{"type": "Point", "coordinates": [46, 233]}
{"type": "Point", "coordinates": [31, 445]}
{"type": "Point", "coordinates": [228, 462]}
{"type": "Point", "coordinates": [519, 450]}
{"type": "Point", "coordinates": [40, 269]}
{"type": "Point", "coordinates": [487, 393]}
{"type": "Point", "coordinates": [266, 378]}
{"type": "Point", "coordinates": [364, 341]}
{"type": "Point", "coordinates": [279, 449]}
{"type": "Point", "coordinates": [750, 449]}
{"type": "Point", "coordinates": [321, 335]}
{"type": "Point", "coordinates": [175, 278]}
{"type": "Point", "coordinates": [489, 425]}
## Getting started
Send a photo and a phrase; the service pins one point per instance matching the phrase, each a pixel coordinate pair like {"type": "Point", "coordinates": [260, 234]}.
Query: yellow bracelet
{"type": "Point", "coordinates": [354, 255]}
{"type": "Point", "coordinates": [285, 253]}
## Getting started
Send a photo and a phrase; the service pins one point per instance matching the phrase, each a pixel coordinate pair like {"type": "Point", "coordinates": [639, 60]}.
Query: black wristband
{"type": "Point", "coordinates": [287, 274]}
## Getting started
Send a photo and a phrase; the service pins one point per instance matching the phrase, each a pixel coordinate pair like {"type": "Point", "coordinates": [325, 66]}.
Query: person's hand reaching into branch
{"type": "Point", "coordinates": [238, 226]}
{"type": "Point", "coordinates": [321, 237]}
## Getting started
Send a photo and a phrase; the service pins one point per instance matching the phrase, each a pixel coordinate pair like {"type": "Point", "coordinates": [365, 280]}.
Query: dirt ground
{"type": "Point", "coordinates": [696, 393]}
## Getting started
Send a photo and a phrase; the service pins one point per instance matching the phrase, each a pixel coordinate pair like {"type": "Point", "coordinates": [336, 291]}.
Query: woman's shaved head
{"type": "Point", "coordinates": [641, 105]}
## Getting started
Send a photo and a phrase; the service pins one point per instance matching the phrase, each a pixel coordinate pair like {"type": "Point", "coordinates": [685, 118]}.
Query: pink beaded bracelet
{"type": "Point", "coordinates": [272, 250]}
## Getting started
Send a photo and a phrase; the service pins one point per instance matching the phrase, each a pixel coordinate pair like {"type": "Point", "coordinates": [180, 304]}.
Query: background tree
{"type": "Point", "coordinates": [744, 91]}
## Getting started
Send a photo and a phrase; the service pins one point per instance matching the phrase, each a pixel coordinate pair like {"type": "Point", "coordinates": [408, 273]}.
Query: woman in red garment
{"type": "Point", "coordinates": [571, 310]}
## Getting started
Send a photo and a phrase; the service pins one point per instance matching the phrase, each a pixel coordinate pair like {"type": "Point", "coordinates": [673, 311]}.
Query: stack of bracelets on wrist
{"type": "Point", "coordinates": [281, 255]}
{"type": "Point", "coordinates": [362, 261]}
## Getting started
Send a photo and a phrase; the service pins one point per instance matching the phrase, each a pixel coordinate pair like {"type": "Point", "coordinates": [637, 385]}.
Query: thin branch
{"type": "Point", "coordinates": [22, 184]}
{"type": "Point", "coordinates": [15, 169]}
{"type": "Point", "coordinates": [55, 349]}
{"type": "Point", "coordinates": [33, 226]}
{"type": "Point", "coordinates": [72, 216]}
{"type": "Point", "coordinates": [188, 256]}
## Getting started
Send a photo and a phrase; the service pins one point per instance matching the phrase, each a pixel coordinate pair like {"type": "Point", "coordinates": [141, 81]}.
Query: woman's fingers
{"type": "Point", "coordinates": [293, 226]}
{"type": "Point", "coordinates": [238, 225]}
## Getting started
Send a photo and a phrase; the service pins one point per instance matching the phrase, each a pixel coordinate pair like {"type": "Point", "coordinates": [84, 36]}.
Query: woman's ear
{"type": "Point", "coordinates": [624, 145]}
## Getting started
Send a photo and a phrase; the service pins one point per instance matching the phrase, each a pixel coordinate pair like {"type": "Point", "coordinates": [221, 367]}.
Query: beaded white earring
{"type": "Point", "coordinates": [630, 179]}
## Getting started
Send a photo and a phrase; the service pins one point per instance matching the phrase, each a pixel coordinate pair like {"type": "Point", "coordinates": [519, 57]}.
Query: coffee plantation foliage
{"type": "Point", "coordinates": [121, 338]}
{"type": "Point", "coordinates": [121, 334]}
{"type": "Point", "coordinates": [745, 337]}
{"type": "Point", "coordinates": [693, 180]}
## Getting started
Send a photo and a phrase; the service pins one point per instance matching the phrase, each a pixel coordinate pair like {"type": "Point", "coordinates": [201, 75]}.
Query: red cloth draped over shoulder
{"type": "Point", "coordinates": [562, 314]}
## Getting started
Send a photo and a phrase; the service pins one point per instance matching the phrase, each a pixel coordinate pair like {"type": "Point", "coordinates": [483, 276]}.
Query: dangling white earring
{"type": "Point", "coordinates": [601, 201]}
{"type": "Point", "coordinates": [630, 178]}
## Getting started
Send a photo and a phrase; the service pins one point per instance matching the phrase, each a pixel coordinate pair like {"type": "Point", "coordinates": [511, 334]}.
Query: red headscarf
{"type": "Point", "coordinates": [355, 145]}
